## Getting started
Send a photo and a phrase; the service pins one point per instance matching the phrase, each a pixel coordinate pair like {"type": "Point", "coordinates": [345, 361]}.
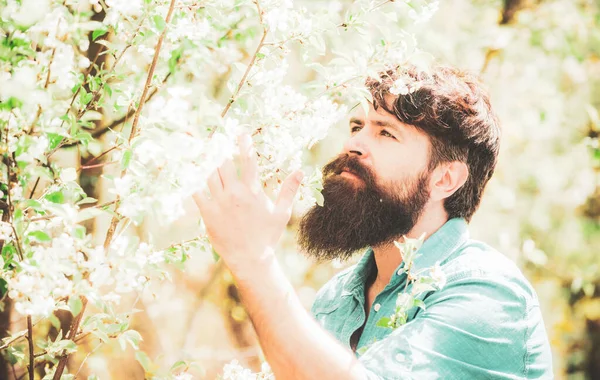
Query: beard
{"type": "Point", "coordinates": [358, 212]}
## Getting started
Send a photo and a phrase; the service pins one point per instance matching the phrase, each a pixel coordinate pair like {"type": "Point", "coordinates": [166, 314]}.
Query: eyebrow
{"type": "Point", "coordinates": [356, 120]}
{"type": "Point", "coordinates": [379, 123]}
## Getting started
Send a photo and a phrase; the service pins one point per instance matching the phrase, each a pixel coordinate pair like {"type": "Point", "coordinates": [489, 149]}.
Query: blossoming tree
{"type": "Point", "coordinates": [150, 95]}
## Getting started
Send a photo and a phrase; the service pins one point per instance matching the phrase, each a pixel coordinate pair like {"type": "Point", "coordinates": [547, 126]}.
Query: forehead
{"type": "Point", "coordinates": [380, 117]}
{"type": "Point", "coordinates": [370, 114]}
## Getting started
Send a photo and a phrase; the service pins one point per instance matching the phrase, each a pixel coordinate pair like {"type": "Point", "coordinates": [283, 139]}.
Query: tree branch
{"type": "Point", "coordinates": [13, 339]}
{"type": "Point", "coordinates": [70, 335]}
{"type": "Point", "coordinates": [30, 341]}
{"type": "Point", "coordinates": [250, 65]}
{"type": "Point", "coordinates": [138, 112]}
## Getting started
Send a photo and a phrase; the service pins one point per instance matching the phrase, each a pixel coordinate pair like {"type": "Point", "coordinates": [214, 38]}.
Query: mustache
{"type": "Point", "coordinates": [352, 164]}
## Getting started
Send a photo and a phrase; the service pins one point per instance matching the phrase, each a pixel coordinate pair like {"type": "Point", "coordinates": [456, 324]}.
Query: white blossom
{"type": "Point", "coordinates": [438, 276]}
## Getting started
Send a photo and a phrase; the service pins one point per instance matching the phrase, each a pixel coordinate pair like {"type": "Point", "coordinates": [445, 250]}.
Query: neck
{"type": "Point", "coordinates": [387, 257]}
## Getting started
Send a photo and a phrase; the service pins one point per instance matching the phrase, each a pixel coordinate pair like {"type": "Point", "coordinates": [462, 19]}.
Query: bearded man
{"type": "Point", "coordinates": [415, 164]}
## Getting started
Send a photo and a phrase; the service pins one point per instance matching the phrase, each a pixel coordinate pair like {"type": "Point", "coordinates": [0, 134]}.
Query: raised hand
{"type": "Point", "coordinates": [242, 223]}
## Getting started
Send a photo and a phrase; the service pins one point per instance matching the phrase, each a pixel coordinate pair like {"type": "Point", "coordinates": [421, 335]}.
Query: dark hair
{"type": "Point", "coordinates": [453, 109]}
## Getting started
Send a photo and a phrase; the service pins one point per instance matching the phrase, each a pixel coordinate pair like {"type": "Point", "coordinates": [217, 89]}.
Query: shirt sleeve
{"type": "Point", "coordinates": [476, 327]}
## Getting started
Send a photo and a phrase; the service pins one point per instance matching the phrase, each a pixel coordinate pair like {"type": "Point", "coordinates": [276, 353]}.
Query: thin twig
{"type": "Point", "coordinates": [250, 65]}
{"type": "Point", "coordinates": [70, 335]}
{"type": "Point", "coordinates": [86, 358]}
{"type": "Point", "coordinates": [86, 167]}
{"type": "Point", "coordinates": [39, 110]}
{"type": "Point", "coordinates": [13, 339]}
{"type": "Point", "coordinates": [9, 163]}
{"type": "Point", "coordinates": [35, 185]}
{"type": "Point", "coordinates": [243, 80]}
{"type": "Point", "coordinates": [48, 217]}
{"type": "Point", "coordinates": [103, 154]}
{"type": "Point", "coordinates": [138, 112]}
{"type": "Point", "coordinates": [30, 342]}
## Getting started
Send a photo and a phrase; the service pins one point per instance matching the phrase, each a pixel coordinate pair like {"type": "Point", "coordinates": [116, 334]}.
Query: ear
{"type": "Point", "coordinates": [447, 178]}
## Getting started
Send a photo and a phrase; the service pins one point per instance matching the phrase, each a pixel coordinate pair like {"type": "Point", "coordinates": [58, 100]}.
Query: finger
{"type": "Point", "coordinates": [203, 202]}
{"type": "Point", "coordinates": [288, 192]}
{"type": "Point", "coordinates": [215, 186]}
{"type": "Point", "coordinates": [227, 173]}
{"type": "Point", "coordinates": [248, 160]}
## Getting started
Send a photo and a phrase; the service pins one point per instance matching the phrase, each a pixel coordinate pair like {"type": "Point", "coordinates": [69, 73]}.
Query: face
{"type": "Point", "coordinates": [374, 191]}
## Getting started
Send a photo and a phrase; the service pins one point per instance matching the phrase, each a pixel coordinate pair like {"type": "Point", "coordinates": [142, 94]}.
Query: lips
{"type": "Point", "coordinates": [348, 173]}
{"type": "Point", "coordinates": [347, 170]}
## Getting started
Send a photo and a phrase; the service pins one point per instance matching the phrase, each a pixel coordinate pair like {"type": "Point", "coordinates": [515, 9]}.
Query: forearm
{"type": "Point", "coordinates": [295, 346]}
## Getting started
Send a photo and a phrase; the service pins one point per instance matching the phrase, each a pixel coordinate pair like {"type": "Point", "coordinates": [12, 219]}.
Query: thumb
{"type": "Point", "coordinates": [288, 191]}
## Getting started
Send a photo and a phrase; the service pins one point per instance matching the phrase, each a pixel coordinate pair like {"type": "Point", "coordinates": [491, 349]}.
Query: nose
{"type": "Point", "coordinates": [356, 145]}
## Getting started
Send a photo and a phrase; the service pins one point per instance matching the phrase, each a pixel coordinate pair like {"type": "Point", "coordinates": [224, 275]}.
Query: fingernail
{"type": "Point", "coordinates": [300, 176]}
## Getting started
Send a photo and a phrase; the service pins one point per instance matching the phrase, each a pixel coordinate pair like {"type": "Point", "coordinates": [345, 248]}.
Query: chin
{"type": "Point", "coordinates": [352, 179]}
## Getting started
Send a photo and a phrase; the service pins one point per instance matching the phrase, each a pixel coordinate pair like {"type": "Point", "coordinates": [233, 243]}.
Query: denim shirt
{"type": "Point", "coordinates": [485, 323]}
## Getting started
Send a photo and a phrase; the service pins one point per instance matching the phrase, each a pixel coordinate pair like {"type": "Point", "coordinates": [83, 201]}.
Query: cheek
{"type": "Point", "coordinates": [402, 166]}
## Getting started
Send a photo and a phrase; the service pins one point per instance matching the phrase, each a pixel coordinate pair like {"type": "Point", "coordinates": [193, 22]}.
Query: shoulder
{"type": "Point", "coordinates": [479, 265]}
{"type": "Point", "coordinates": [492, 307]}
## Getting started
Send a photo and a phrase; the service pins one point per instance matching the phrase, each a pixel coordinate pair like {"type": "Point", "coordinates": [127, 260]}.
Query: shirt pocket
{"type": "Point", "coordinates": [325, 314]}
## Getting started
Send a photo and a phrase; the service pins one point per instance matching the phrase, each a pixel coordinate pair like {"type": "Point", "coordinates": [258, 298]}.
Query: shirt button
{"type": "Point", "coordinates": [377, 307]}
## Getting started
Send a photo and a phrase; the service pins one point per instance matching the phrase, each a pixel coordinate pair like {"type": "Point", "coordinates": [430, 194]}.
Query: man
{"type": "Point", "coordinates": [415, 164]}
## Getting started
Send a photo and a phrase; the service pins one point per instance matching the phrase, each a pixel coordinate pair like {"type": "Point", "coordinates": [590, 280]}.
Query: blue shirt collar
{"type": "Point", "coordinates": [436, 248]}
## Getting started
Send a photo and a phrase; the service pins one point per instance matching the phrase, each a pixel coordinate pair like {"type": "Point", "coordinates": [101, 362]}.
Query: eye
{"type": "Point", "coordinates": [355, 129]}
{"type": "Point", "coordinates": [387, 134]}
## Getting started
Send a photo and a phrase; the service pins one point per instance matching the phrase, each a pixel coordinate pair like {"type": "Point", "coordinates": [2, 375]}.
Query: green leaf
{"type": "Point", "coordinates": [86, 98]}
{"type": "Point", "coordinates": [10, 103]}
{"type": "Point", "coordinates": [55, 197]}
{"type": "Point", "coordinates": [36, 205]}
{"type": "Point", "coordinates": [75, 305]}
{"type": "Point", "coordinates": [83, 137]}
{"type": "Point", "coordinates": [383, 322]}
{"type": "Point", "coordinates": [126, 159]}
{"type": "Point", "coordinates": [144, 360]}
{"type": "Point", "coordinates": [215, 255]}
{"type": "Point", "coordinates": [132, 337]}
{"type": "Point", "coordinates": [40, 236]}
{"type": "Point", "coordinates": [108, 90]}
{"type": "Point", "coordinates": [18, 222]}
{"type": "Point", "coordinates": [99, 33]}
{"type": "Point", "coordinates": [8, 253]}
{"type": "Point", "coordinates": [159, 21]}
{"type": "Point", "coordinates": [101, 335]}
{"type": "Point", "coordinates": [87, 200]}
{"type": "Point", "coordinates": [90, 212]}
{"type": "Point", "coordinates": [79, 232]}
{"type": "Point", "coordinates": [319, 197]}
{"type": "Point", "coordinates": [15, 355]}
{"type": "Point", "coordinates": [178, 366]}
{"type": "Point", "coordinates": [3, 287]}
{"type": "Point", "coordinates": [174, 59]}
{"type": "Point", "coordinates": [419, 303]}
{"type": "Point", "coordinates": [66, 345]}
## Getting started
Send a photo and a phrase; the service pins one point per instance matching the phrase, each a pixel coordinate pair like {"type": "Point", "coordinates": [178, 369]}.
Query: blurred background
{"type": "Point", "coordinates": [540, 60]}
